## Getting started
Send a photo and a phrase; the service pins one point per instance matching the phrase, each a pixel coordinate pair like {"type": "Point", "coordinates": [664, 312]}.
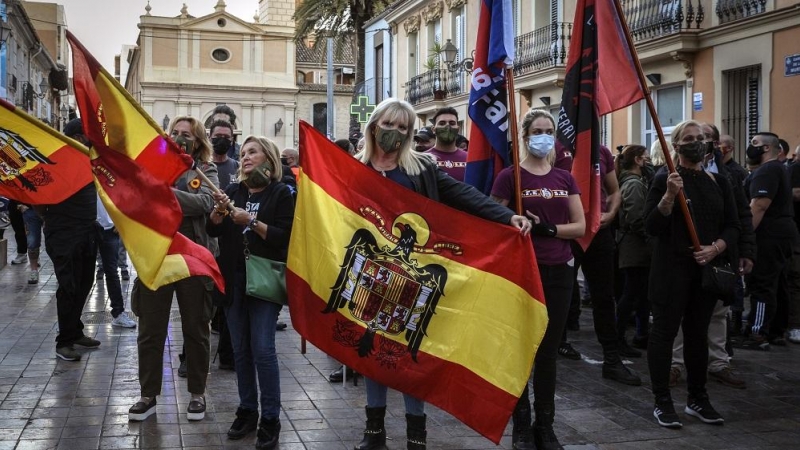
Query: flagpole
{"type": "Point", "coordinates": [657, 124]}
{"type": "Point", "coordinates": [512, 121]}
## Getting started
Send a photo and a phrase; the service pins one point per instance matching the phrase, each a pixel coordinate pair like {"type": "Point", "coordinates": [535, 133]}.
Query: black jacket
{"type": "Point", "coordinates": [437, 185]}
{"type": "Point", "coordinates": [276, 210]}
{"type": "Point", "coordinates": [745, 247]}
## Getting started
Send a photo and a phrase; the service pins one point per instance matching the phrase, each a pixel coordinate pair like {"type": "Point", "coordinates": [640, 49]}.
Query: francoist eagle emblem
{"type": "Point", "coordinates": [15, 153]}
{"type": "Point", "coordinates": [386, 289]}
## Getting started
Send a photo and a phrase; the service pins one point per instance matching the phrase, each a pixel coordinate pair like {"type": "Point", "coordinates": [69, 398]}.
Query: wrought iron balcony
{"type": "Point", "coordinates": [542, 48]}
{"type": "Point", "coordinates": [436, 84]}
{"type": "Point", "coordinates": [650, 19]}
{"type": "Point", "coordinates": [730, 10]}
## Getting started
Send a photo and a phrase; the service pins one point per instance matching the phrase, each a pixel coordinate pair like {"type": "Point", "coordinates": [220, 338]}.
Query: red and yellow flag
{"type": "Point", "coordinates": [38, 165]}
{"type": "Point", "coordinates": [135, 165]}
{"type": "Point", "coordinates": [421, 297]}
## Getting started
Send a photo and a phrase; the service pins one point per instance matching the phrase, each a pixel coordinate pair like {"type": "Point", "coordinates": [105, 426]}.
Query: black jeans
{"type": "Point", "coordinates": [108, 246]}
{"type": "Point", "coordinates": [634, 298]}
{"type": "Point", "coordinates": [677, 296]}
{"type": "Point", "coordinates": [557, 285]}
{"type": "Point", "coordinates": [73, 255]}
{"type": "Point", "coordinates": [598, 269]}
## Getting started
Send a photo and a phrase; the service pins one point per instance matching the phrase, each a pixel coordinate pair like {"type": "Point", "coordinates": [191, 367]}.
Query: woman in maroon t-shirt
{"type": "Point", "coordinates": [551, 199]}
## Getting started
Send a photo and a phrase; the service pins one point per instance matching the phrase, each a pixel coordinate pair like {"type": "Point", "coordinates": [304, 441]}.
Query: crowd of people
{"type": "Point", "coordinates": [743, 218]}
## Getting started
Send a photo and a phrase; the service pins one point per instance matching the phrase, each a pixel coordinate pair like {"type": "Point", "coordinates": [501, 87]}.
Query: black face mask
{"type": "Point", "coordinates": [285, 161]}
{"type": "Point", "coordinates": [221, 145]}
{"type": "Point", "coordinates": [754, 154]}
{"type": "Point", "coordinates": [710, 147]}
{"type": "Point", "coordinates": [693, 151]}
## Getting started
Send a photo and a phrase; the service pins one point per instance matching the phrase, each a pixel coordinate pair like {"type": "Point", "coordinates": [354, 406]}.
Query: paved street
{"type": "Point", "coordinates": [49, 403]}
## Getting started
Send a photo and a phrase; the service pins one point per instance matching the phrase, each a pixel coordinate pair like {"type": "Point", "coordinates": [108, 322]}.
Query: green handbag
{"type": "Point", "coordinates": [266, 279]}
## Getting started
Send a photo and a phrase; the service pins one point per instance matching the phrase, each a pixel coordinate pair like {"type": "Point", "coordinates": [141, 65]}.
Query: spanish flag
{"type": "Point", "coordinates": [135, 165]}
{"type": "Point", "coordinates": [421, 297]}
{"type": "Point", "coordinates": [38, 165]}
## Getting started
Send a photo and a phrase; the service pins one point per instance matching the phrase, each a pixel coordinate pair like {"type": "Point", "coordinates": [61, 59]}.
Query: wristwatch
{"type": "Point", "coordinates": [253, 223]}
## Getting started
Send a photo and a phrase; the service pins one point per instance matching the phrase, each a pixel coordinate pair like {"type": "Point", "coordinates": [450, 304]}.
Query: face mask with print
{"type": "Point", "coordinates": [540, 145]}
{"type": "Point", "coordinates": [389, 141]}
{"type": "Point", "coordinates": [185, 143]}
{"type": "Point", "coordinates": [259, 177]}
{"type": "Point", "coordinates": [445, 135]}
{"type": "Point", "coordinates": [693, 151]}
{"type": "Point", "coordinates": [221, 145]}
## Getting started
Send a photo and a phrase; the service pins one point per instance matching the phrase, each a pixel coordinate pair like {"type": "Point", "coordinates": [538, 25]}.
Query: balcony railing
{"type": "Point", "coordinates": [542, 48]}
{"type": "Point", "coordinates": [730, 10]}
{"type": "Point", "coordinates": [649, 19]}
{"type": "Point", "coordinates": [437, 84]}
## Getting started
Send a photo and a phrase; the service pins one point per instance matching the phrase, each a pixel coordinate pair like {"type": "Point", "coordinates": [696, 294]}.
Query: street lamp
{"type": "Point", "coordinates": [450, 53]}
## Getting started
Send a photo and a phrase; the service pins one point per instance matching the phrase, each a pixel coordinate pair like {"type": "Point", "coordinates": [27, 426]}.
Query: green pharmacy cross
{"type": "Point", "coordinates": [362, 109]}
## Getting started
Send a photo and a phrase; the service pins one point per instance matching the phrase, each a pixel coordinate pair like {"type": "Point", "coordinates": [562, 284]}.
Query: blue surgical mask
{"type": "Point", "coordinates": [540, 145]}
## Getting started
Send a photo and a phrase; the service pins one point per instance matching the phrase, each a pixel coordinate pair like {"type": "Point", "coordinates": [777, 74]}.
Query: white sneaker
{"type": "Point", "coordinates": [33, 277]}
{"type": "Point", "coordinates": [21, 258]}
{"type": "Point", "coordinates": [794, 335]}
{"type": "Point", "coordinates": [122, 320]}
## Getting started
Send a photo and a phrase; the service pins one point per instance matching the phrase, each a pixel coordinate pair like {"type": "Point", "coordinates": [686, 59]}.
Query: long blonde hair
{"type": "Point", "coordinates": [270, 150]}
{"type": "Point", "coordinates": [202, 151]}
{"type": "Point", "coordinates": [525, 123]}
{"type": "Point", "coordinates": [400, 111]}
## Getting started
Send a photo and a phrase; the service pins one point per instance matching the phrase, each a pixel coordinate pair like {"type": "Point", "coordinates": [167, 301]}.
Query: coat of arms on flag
{"type": "Point", "coordinates": [387, 290]}
{"type": "Point", "coordinates": [15, 154]}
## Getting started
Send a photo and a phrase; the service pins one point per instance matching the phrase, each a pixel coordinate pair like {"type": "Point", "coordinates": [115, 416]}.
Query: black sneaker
{"type": "Point", "coordinates": [566, 350]}
{"type": "Point", "coordinates": [86, 341]}
{"type": "Point", "coordinates": [182, 370]}
{"type": "Point", "coordinates": [545, 439]}
{"type": "Point", "coordinates": [701, 408]}
{"type": "Point", "coordinates": [280, 326]}
{"type": "Point", "coordinates": [142, 409]}
{"type": "Point", "coordinates": [268, 432]}
{"type": "Point", "coordinates": [125, 275]}
{"type": "Point", "coordinates": [621, 374]}
{"type": "Point", "coordinates": [246, 421]}
{"type": "Point", "coordinates": [665, 414]}
{"type": "Point", "coordinates": [752, 343]}
{"type": "Point", "coordinates": [197, 408]}
{"type": "Point", "coordinates": [68, 353]}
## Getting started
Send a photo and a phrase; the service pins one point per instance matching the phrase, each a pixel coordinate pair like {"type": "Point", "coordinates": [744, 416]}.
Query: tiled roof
{"type": "Point", "coordinates": [343, 52]}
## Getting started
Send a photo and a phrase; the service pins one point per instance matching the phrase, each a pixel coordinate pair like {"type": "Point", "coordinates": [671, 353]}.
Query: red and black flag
{"type": "Point", "coordinates": [601, 78]}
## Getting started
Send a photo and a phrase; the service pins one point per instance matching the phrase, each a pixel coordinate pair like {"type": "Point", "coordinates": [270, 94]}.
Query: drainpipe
{"type": "Point", "coordinates": [389, 32]}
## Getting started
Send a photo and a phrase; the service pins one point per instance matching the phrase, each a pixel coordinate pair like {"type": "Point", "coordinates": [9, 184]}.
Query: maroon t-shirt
{"type": "Point", "coordinates": [455, 163]}
{"type": "Point", "coordinates": [547, 196]}
{"type": "Point", "coordinates": [564, 161]}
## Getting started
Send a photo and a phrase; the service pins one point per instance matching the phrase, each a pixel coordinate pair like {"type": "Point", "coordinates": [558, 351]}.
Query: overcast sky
{"type": "Point", "coordinates": [104, 26]}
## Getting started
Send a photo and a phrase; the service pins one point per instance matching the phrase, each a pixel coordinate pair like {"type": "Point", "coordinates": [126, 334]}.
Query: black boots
{"type": "Point", "coordinates": [521, 431]}
{"type": "Point", "coordinates": [268, 432]}
{"type": "Point", "coordinates": [375, 433]}
{"type": "Point", "coordinates": [416, 432]}
{"type": "Point", "coordinates": [246, 421]}
{"type": "Point", "coordinates": [543, 435]}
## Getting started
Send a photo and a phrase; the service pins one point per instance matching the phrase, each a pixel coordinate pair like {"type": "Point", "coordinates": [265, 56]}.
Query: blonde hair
{"type": "Point", "coordinates": [525, 124]}
{"type": "Point", "coordinates": [272, 153]}
{"type": "Point", "coordinates": [202, 151]}
{"type": "Point", "coordinates": [397, 111]}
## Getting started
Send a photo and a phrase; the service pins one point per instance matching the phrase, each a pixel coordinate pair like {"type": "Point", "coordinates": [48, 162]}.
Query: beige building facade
{"type": "Point", "coordinates": [734, 63]}
{"type": "Point", "coordinates": [186, 65]}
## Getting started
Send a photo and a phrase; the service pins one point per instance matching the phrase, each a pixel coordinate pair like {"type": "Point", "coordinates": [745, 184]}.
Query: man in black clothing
{"type": "Point", "coordinates": [70, 239]}
{"type": "Point", "coordinates": [771, 204]}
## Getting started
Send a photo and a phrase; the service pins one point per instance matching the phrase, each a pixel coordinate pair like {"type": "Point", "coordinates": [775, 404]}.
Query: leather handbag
{"type": "Point", "coordinates": [266, 278]}
{"type": "Point", "coordinates": [719, 279]}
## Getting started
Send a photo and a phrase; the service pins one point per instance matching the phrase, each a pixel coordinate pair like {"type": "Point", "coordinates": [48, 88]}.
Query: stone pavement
{"type": "Point", "coordinates": [48, 403]}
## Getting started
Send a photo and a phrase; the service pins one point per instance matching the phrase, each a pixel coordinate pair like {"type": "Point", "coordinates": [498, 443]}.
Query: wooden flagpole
{"type": "Point", "coordinates": [657, 124]}
{"type": "Point", "coordinates": [512, 122]}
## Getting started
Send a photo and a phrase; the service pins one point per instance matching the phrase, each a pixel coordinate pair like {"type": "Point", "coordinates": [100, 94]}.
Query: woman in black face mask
{"type": "Point", "coordinates": [193, 293]}
{"type": "Point", "coordinates": [388, 151]}
{"type": "Point", "coordinates": [675, 281]}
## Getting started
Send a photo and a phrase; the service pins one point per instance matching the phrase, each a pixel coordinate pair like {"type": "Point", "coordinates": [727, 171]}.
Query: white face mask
{"type": "Point", "coordinates": [540, 145]}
